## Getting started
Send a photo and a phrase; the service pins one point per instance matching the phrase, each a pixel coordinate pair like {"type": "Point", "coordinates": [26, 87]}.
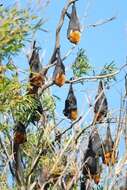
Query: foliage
{"type": "Point", "coordinates": [43, 154]}
{"type": "Point", "coordinates": [81, 65]}
{"type": "Point", "coordinates": [108, 69]}
{"type": "Point", "coordinates": [15, 26]}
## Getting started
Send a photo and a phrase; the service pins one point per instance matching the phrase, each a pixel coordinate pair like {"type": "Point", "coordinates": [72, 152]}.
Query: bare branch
{"type": "Point", "coordinates": [93, 77]}
{"type": "Point", "coordinates": [101, 22]}
{"type": "Point", "coordinates": [61, 21]}
{"type": "Point", "coordinates": [8, 157]}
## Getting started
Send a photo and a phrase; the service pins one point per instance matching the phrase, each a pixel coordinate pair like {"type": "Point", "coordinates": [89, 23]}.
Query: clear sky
{"type": "Point", "coordinates": [102, 44]}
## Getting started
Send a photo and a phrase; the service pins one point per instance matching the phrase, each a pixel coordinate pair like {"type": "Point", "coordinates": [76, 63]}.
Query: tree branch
{"type": "Point", "coordinates": [101, 22]}
{"type": "Point", "coordinates": [77, 80]}
{"type": "Point", "coordinates": [8, 157]}
{"type": "Point", "coordinates": [61, 21]}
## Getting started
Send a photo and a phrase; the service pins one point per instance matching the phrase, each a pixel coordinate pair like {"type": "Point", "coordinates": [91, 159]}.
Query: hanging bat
{"type": "Point", "coordinates": [95, 142]}
{"type": "Point", "coordinates": [109, 155]}
{"type": "Point", "coordinates": [38, 111]}
{"type": "Point", "coordinates": [70, 110]}
{"type": "Point", "coordinates": [73, 32]}
{"type": "Point", "coordinates": [20, 133]}
{"type": "Point", "coordinates": [19, 138]}
{"type": "Point", "coordinates": [91, 168]}
{"type": "Point", "coordinates": [101, 105]}
{"type": "Point", "coordinates": [36, 77]}
{"type": "Point", "coordinates": [59, 71]}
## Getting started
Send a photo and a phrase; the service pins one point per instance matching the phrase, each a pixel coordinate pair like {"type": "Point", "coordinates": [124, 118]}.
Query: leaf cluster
{"type": "Point", "coordinates": [81, 65]}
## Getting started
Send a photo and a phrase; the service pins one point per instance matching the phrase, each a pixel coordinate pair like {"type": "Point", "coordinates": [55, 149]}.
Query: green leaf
{"type": "Point", "coordinates": [81, 66]}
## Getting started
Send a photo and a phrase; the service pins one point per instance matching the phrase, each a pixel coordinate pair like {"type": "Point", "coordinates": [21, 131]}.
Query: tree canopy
{"type": "Point", "coordinates": [49, 138]}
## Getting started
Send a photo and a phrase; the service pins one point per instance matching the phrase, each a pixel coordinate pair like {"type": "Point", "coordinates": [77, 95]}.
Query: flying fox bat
{"type": "Point", "coordinates": [91, 167]}
{"type": "Point", "coordinates": [70, 110]}
{"type": "Point", "coordinates": [36, 77]}
{"type": "Point", "coordinates": [109, 155]}
{"type": "Point", "coordinates": [59, 71]}
{"type": "Point", "coordinates": [101, 105]}
{"type": "Point", "coordinates": [73, 32]}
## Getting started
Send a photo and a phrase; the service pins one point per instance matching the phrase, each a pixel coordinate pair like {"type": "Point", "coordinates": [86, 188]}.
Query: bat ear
{"type": "Point", "coordinates": [74, 32]}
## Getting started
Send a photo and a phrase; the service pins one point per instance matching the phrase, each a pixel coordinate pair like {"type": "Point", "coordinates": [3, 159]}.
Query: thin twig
{"type": "Point", "coordinates": [101, 22]}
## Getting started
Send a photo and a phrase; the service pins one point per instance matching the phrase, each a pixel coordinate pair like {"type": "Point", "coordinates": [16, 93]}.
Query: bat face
{"type": "Point", "coordinates": [59, 71]}
{"type": "Point", "coordinates": [96, 178]}
{"type": "Point", "coordinates": [101, 105]}
{"type": "Point", "coordinates": [70, 110]}
{"type": "Point", "coordinates": [73, 32]}
{"type": "Point", "coordinates": [20, 134]}
{"type": "Point", "coordinates": [109, 158]}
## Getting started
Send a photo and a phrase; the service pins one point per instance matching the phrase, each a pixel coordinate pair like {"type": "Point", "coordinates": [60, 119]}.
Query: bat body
{"type": "Point", "coordinates": [59, 71]}
{"type": "Point", "coordinates": [95, 143]}
{"type": "Point", "coordinates": [70, 110]}
{"type": "Point", "coordinates": [36, 78]}
{"type": "Point", "coordinates": [19, 138]}
{"type": "Point", "coordinates": [20, 134]}
{"type": "Point", "coordinates": [109, 156]}
{"type": "Point", "coordinates": [91, 167]}
{"type": "Point", "coordinates": [73, 32]}
{"type": "Point", "coordinates": [37, 112]}
{"type": "Point", "coordinates": [101, 105]}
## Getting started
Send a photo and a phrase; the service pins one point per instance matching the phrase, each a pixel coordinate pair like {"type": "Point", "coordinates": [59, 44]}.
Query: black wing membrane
{"type": "Point", "coordinates": [101, 105]}
{"type": "Point", "coordinates": [36, 78]}
{"type": "Point", "coordinates": [91, 168]}
{"type": "Point", "coordinates": [59, 71]}
{"type": "Point", "coordinates": [95, 142]}
{"type": "Point", "coordinates": [109, 155]}
{"type": "Point", "coordinates": [34, 61]}
{"type": "Point", "coordinates": [70, 110]}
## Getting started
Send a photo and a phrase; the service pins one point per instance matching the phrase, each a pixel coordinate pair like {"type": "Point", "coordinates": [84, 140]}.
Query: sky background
{"type": "Point", "coordinates": [102, 44]}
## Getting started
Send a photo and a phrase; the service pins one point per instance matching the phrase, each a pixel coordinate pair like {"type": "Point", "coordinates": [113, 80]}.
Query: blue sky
{"type": "Point", "coordinates": [102, 44]}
